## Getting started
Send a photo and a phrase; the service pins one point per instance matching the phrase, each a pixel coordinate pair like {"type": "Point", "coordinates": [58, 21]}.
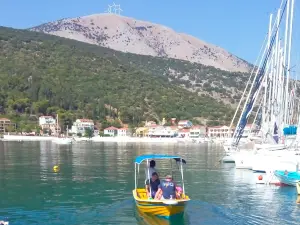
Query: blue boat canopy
{"type": "Point", "coordinates": [141, 158]}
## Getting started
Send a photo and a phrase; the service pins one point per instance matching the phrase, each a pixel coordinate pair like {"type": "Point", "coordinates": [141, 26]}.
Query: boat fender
{"type": "Point", "coordinates": [260, 177]}
{"type": "Point", "coordinates": [298, 188]}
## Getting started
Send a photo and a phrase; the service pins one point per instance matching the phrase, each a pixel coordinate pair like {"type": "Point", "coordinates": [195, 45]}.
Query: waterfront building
{"type": "Point", "coordinates": [116, 132]}
{"type": "Point", "coordinates": [197, 132]}
{"type": "Point", "coordinates": [162, 131]}
{"type": "Point", "coordinates": [111, 131]}
{"type": "Point", "coordinates": [48, 123]}
{"type": "Point", "coordinates": [123, 132]}
{"type": "Point", "coordinates": [220, 131]}
{"type": "Point", "coordinates": [6, 123]}
{"type": "Point", "coordinates": [223, 131]}
{"type": "Point", "coordinates": [80, 125]}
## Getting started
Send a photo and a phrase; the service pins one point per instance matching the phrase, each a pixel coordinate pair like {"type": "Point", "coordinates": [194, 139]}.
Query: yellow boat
{"type": "Point", "coordinates": [162, 208]}
{"type": "Point", "coordinates": [146, 219]}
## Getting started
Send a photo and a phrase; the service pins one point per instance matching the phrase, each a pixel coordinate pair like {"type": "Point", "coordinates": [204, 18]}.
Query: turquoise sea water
{"type": "Point", "coordinates": [95, 181]}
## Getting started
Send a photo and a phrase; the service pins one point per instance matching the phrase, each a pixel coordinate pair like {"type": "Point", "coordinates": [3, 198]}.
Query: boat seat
{"type": "Point", "coordinates": [141, 193]}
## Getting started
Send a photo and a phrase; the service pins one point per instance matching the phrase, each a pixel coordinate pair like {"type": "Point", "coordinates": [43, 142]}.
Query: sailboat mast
{"type": "Point", "coordinates": [245, 90]}
{"type": "Point", "coordinates": [289, 58]}
{"type": "Point", "coordinates": [285, 63]}
{"type": "Point", "coordinates": [260, 76]}
{"type": "Point", "coordinates": [265, 108]}
{"type": "Point", "coordinates": [277, 75]}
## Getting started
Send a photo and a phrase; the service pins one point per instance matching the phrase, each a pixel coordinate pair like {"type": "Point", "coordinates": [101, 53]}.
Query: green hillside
{"type": "Point", "coordinates": [44, 74]}
{"type": "Point", "coordinates": [222, 85]}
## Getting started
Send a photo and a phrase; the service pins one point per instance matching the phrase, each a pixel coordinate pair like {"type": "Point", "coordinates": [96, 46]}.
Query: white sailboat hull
{"type": "Point", "coordinates": [269, 147]}
{"type": "Point", "coordinates": [229, 157]}
{"type": "Point", "coordinates": [264, 163]}
{"type": "Point", "coordinates": [243, 159]}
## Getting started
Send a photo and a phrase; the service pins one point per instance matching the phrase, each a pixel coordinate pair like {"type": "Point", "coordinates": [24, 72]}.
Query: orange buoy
{"type": "Point", "coordinates": [260, 177]}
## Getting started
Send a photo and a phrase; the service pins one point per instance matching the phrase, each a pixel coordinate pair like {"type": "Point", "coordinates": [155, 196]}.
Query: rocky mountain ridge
{"type": "Point", "coordinates": [140, 37]}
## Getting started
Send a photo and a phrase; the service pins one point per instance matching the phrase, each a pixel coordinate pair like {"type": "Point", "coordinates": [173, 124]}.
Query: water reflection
{"type": "Point", "coordinates": [146, 219]}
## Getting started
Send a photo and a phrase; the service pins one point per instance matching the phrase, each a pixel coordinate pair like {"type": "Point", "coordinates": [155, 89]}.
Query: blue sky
{"type": "Point", "coordinates": [236, 25]}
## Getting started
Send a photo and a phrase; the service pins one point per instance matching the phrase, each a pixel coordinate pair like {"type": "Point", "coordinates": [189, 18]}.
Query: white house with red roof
{"type": "Point", "coordinates": [111, 131]}
{"type": "Point", "coordinates": [123, 132]}
{"type": "Point", "coordinates": [80, 125]}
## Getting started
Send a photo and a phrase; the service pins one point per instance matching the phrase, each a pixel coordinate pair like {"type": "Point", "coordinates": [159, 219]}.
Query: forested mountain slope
{"type": "Point", "coordinates": [44, 74]}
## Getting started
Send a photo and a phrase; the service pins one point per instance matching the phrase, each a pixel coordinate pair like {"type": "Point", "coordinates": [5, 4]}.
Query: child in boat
{"type": "Point", "coordinates": [178, 192]}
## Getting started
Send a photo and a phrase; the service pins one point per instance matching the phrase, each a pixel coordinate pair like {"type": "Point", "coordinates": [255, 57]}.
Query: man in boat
{"type": "Point", "coordinates": [166, 189]}
{"type": "Point", "coordinates": [150, 170]}
{"type": "Point", "coordinates": [153, 187]}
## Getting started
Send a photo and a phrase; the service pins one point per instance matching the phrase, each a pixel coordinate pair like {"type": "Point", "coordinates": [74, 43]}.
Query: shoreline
{"type": "Point", "coordinates": [26, 138]}
{"type": "Point", "coordinates": [10, 138]}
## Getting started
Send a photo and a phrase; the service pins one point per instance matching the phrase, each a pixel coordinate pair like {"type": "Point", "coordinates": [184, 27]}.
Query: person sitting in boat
{"type": "Point", "coordinates": [153, 187]}
{"type": "Point", "coordinates": [178, 192]}
{"type": "Point", "coordinates": [150, 170]}
{"type": "Point", "coordinates": [166, 189]}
